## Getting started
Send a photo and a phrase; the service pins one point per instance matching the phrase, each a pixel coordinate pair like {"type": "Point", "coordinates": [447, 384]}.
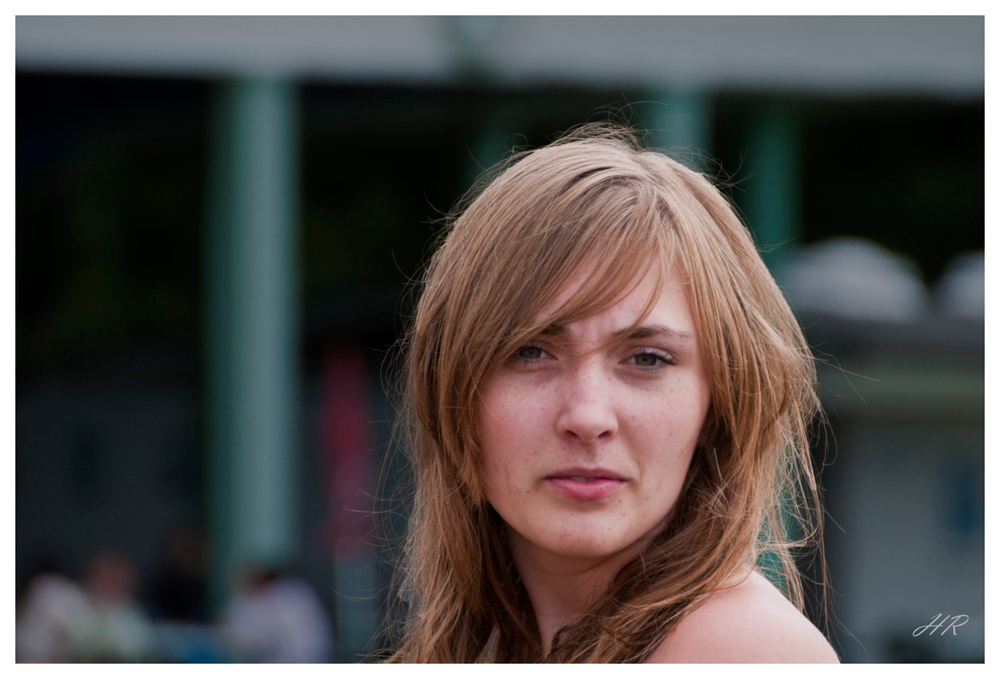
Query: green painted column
{"type": "Point", "coordinates": [251, 326]}
{"type": "Point", "coordinates": [773, 189]}
{"type": "Point", "coordinates": [680, 122]}
{"type": "Point", "coordinates": [772, 208]}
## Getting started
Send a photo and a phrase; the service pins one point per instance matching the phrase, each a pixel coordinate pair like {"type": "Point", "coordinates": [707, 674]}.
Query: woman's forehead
{"type": "Point", "coordinates": [625, 299]}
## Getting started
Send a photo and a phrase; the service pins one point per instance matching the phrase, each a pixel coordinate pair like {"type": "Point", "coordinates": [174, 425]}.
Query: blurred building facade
{"type": "Point", "coordinates": [217, 218]}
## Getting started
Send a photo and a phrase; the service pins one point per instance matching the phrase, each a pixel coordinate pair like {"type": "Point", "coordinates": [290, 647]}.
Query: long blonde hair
{"type": "Point", "coordinates": [524, 231]}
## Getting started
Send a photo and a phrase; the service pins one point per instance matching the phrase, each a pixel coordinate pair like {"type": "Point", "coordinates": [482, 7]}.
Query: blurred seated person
{"type": "Point", "coordinates": [119, 629]}
{"type": "Point", "coordinates": [276, 618]}
{"type": "Point", "coordinates": [52, 616]}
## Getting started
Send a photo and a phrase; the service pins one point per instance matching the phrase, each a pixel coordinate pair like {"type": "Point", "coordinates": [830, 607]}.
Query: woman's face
{"type": "Point", "coordinates": [586, 443]}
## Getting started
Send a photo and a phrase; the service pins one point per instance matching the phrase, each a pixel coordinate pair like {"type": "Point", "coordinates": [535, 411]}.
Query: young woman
{"type": "Point", "coordinates": [608, 401]}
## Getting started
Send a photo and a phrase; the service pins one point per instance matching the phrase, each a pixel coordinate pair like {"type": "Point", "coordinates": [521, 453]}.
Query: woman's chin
{"type": "Point", "coordinates": [587, 547]}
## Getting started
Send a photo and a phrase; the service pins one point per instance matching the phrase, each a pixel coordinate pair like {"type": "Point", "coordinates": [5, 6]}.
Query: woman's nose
{"type": "Point", "coordinates": [587, 410]}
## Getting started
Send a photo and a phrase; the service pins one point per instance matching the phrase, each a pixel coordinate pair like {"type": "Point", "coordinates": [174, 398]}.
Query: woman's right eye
{"type": "Point", "coordinates": [529, 352]}
{"type": "Point", "coordinates": [529, 355]}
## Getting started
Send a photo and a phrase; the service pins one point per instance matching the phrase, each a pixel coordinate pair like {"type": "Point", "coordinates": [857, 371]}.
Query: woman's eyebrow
{"type": "Point", "coordinates": [554, 330]}
{"type": "Point", "coordinates": [638, 332]}
{"type": "Point", "coordinates": [655, 330]}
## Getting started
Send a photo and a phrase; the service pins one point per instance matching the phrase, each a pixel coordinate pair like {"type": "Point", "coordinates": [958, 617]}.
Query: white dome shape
{"type": "Point", "coordinates": [854, 278]}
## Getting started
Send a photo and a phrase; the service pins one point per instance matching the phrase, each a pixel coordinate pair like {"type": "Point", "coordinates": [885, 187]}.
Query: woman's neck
{"type": "Point", "coordinates": [562, 588]}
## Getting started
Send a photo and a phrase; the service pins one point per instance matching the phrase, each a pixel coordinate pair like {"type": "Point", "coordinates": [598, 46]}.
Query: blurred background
{"type": "Point", "coordinates": [218, 219]}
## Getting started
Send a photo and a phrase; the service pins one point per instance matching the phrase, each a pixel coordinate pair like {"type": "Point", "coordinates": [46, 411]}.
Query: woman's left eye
{"type": "Point", "coordinates": [650, 359]}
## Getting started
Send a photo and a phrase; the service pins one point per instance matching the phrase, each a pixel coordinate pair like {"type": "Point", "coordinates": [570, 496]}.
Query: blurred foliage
{"type": "Point", "coordinates": [109, 207]}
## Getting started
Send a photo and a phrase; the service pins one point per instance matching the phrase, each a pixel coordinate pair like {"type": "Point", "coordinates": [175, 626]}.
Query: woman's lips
{"type": "Point", "coordinates": [585, 484]}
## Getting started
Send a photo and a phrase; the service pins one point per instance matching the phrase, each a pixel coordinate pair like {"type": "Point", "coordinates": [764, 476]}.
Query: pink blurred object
{"type": "Point", "coordinates": [347, 440]}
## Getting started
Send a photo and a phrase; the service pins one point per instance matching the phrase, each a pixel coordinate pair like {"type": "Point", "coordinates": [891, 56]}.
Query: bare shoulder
{"type": "Point", "coordinates": [749, 622]}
